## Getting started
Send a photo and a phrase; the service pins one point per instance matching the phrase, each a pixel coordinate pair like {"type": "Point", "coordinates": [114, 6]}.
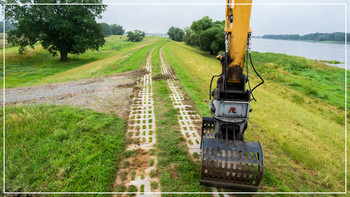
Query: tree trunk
{"type": "Point", "coordinates": [64, 56]}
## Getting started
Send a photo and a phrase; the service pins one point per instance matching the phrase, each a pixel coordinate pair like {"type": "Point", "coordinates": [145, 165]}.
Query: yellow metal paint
{"type": "Point", "coordinates": [237, 31]}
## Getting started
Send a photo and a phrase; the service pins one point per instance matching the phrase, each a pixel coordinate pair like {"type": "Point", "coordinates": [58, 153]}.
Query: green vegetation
{"type": "Point", "coordinates": [64, 29]}
{"type": "Point", "coordinates": [112, 29]}
{"type": "Point", "coordinates": [309, 77]}
{"type": "Point", "coordinates": [56, 149]}
{"type": "Point", "coordinates": [136, 36]}
{"type": "Point", "coordinates": [39, 67]}
{"type": "Point", "coordinates": [298, 119]}
{"type": "Point", "coordinates": [176, 169]}
{"type": "Point", "coordinates": [206, 34]}
{"type": "Point", "coordinates": [176, 33]}
{"type": "Point", "coordinates": [8, 26]}
{"type": "Point", "coordinates": [335, 37]}
{"type": "Point", "coordinates": [331, 61]}
{"type": "Point", "coordinates": [132, 188]}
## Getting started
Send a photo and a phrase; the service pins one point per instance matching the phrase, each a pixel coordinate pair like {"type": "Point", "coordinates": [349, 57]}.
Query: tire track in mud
{"type": "Point", "coordinates": [188, 118]}
{"type": "Point", "coordinates": [138, 172]}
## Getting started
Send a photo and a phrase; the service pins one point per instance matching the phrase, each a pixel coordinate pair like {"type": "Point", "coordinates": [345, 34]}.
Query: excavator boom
{"type": "Point", "coordinates": [227, 160]}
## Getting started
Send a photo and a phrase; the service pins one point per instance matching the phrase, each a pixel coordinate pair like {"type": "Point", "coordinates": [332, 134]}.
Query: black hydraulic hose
{"type": "Point", "coordinates": [250, 88]}
{"type": "Point", "coordinates": [262, 80]}
{"type": "Point", "coordinates": [211, 82]}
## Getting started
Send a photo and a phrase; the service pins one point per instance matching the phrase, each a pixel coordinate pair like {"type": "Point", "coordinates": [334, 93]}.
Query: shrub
{"type": "Point", "coordinates": [136, 36]}
{"type": "Point", "coordinates": [176, 33]}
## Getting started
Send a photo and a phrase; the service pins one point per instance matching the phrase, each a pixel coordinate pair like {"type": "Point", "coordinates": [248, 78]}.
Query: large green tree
{"type": "Point", "coordinates": [106, 29]}
{"type": "Point", "coordinates": [117, 29]}
{"type": "Point", "coordinates": [59, 28]}
{"type": "Point", "coordinates": [212, 40]}
{"type": "Point", "coordinates": [206, 34]}
{"type": "Point", "coordinates": [202, 24]}
{"type": "Point", "coordinates": [136, 36]}
{"type": "Point", "coordinates": [176, 33]}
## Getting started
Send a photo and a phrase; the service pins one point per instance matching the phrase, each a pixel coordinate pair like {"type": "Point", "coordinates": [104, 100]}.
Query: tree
{"type": "Point", "coordinates": [64, 29]}
{"type": "Point", "coordinates": [8, 27]}
{"type": "Point", "coordinates": [105, 28]}
{"type": "Point", "coordinates": [187, 36]}
{"type": "Point", "coordinates": [206, 34]}
{"type": "Point", "coordinates": [212, 40]}
{"type": "Point", "coordinates": [202, 24]}
{"type": "Point", "coordinates": [179, 35]}
{"type": "Point", "coordinates": [176, 33]}
{"type": "Point", "coordinates": [136, 36]}
{"type": "Point", "coordinates": [117, 29]}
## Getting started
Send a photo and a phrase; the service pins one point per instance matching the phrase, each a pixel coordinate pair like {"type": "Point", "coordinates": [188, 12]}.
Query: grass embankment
{"type": "Point", "coordinates": [177, 172]}
{"type": "Point", "coordinates": [57, 149]}
{"type": "Point", "coordinates": [51, 148]}
{"type": "Point", "coordinates": [39, 66]}
{"type": "Point", "coordinates": [299, 116]}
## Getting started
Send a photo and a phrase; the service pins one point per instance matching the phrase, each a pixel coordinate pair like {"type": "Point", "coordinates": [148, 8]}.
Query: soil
{"type": "Point", "coordinates": [103, 94]}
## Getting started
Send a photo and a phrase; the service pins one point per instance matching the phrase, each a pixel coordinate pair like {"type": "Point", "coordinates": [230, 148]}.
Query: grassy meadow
{"type": "Point", "coordinates": [298, 116]}
{"type": "Point", "coordinates": [55, 148]}
{"type": "Point", "coordinates": [39, 67]}
{"type": "Point", "coordinates": [61, 148]}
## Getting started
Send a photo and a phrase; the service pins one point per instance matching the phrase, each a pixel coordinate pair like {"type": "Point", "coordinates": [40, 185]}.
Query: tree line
{"type": "Point", "coordinates": [60, 29]}
{"type": "Point", "coordinates": [205, 33]}
{"type": "Point", "coordinates": [336, 36]}
{"type": "Point", "coordinates": [209, 35]}
{"type": "Point", "coordinates": [8, 27]}
{"type": "Point", "coordinates": [112, 29]}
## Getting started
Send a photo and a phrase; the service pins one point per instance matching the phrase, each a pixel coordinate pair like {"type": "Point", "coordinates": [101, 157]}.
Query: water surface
{"type": "Point", "coordinates": [310, 50]}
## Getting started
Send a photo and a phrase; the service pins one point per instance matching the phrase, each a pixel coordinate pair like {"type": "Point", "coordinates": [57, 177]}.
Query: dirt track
{"type": "Point", "coordinates": [103, 94]}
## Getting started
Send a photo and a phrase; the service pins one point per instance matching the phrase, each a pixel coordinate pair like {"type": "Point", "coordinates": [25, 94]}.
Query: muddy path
{"type": "Point", "coordinates": [138, 172]}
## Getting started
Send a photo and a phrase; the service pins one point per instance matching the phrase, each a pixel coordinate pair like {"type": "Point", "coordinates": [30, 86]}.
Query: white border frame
{"type": "Point", "coordinates": [178, 4]}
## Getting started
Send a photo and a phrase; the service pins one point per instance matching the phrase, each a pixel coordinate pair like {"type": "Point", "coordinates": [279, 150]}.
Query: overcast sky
{"type": "Point", "coordinates": [265, 19]}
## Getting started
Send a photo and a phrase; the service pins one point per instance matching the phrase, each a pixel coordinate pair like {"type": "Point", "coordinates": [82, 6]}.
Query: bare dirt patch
{"type": "Point", "coordinates": [137, 163]}
{"type": "Point", "coordinates": [103, 94]}
{"type": "Point", "coordinates": [159, 77]}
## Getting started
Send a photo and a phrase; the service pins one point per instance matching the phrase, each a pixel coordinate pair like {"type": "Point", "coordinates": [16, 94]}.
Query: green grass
{"type": "Point", "coordinates": [57, 149]}
{"type": "Point", "coordinates": [133, 62]}
{"type": "Point", "coordinates": [39, 66]}
{"type": "Point", "coordinates": [331, 61]}
{"type": "Point", "coordinates": [301, 131]}
{"type": "Point", "coordinates": [309, 77]}
{"type": "Point", "coordinates": [176, 169]}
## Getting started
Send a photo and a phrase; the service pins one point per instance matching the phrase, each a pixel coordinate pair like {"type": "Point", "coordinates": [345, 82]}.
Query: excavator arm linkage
{"type": "Point", "coordinates": [227, 160]}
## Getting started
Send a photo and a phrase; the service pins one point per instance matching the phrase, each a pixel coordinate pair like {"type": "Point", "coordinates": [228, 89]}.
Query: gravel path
{"type": "Point", "coordinates": [103, 94]}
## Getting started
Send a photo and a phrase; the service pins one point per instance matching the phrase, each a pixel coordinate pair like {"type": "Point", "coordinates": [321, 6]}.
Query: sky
{"type": "Point", "coordinates": [273, 18]}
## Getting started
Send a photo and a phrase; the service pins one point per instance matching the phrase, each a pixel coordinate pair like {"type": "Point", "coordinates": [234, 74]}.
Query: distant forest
{"type": "Point", "coordinates": [336, 36]}
{"type": "Point", "coordinates": [8, 27]}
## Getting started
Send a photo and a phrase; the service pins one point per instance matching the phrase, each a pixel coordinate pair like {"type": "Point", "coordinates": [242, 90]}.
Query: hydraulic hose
{"type": "Point", "coordinates": [262, 80]}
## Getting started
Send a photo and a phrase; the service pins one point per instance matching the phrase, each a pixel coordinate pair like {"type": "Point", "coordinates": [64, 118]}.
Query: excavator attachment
{"type": "Point", "coordinates": [234, 164]}
{"type": "Point", "coordinates": [227, 160]}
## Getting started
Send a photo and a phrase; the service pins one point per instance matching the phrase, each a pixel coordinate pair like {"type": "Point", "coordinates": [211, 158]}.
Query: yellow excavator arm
{"type": "Point", "coordinates": [227, 159]}
{"type": "Point", "coordinates": [237, 27]}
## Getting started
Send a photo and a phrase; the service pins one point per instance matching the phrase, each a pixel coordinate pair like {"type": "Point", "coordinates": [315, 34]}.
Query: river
{"type": "Point", "coordinates": [310, 50]}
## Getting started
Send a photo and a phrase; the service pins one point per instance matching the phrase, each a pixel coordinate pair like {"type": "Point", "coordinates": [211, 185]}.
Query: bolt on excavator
{"type": "Point", "coordinates": [228, 161]}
